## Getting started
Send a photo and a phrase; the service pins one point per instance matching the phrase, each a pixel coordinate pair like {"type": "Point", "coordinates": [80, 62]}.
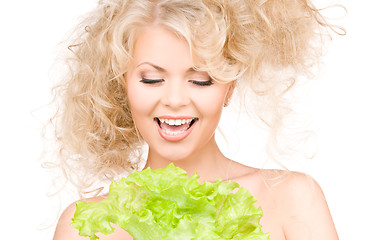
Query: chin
{"type": "Point", "coordinates": [175, 155]}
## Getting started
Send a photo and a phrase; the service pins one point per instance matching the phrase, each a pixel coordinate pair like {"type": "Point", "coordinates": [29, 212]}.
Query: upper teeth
{"type": "Point", "coordinates": [175, 122]}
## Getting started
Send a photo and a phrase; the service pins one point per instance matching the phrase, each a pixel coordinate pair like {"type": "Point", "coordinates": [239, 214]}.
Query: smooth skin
{"type": "Point", "coordinates": [294, 206]}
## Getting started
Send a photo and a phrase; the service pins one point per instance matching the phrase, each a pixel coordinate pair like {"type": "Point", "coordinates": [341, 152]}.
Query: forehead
{"type": "Point", "coordinates": [161, 47]}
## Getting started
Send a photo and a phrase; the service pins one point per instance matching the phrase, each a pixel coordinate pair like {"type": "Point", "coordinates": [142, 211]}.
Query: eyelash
{"type": "Point", "coordinates": [198, 83]}
{"type": "Point", "coordinates": [202, 83]}
{"type": "Point", "coordinates": [150, 81]}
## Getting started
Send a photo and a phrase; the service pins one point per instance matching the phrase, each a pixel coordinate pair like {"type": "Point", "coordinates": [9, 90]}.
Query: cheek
{"type": "Point", "coordinates": [211, 104]}
{"type": "Point", "coordinates": [141, 103]}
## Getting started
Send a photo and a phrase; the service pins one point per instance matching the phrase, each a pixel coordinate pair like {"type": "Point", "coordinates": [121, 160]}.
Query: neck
{"type": "Point", "coordinates": [209, 162]}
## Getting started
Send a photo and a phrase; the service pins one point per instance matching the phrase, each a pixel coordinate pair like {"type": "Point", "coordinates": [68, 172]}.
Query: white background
{"type": "Point", "coordinates": [350, 102]}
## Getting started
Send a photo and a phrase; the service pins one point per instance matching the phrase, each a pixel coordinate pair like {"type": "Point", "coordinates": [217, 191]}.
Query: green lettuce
{"type": "Point", "coordinates": [166, 204]}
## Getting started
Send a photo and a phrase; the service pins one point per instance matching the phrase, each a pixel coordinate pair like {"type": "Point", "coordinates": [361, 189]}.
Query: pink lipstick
{"type": "Point", "coordinates": [174, 129]}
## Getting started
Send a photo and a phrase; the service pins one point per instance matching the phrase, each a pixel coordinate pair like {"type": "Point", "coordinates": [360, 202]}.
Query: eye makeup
{"type": "Point", "coordinates": [202, 83]}
{"type": "Point", "coordinates": [150, 81]}
{"type": "Point", "coordinates": [201, 79]}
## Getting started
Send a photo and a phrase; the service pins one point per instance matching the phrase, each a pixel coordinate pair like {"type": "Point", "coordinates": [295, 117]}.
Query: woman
{"type": "Point", "coordinates": [160, 72]}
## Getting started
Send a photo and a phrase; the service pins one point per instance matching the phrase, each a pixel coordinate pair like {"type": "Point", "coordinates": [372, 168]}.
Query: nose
{"type": "Point", "coordinates": [175, 94]}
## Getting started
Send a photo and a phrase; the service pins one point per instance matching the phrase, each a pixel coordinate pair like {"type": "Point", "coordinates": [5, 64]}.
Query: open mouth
{"type": "Point", "coordinates": [175, 129]}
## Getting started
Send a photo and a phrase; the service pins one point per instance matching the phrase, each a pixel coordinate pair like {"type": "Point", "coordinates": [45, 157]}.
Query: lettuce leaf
{"type": "Point", "coordinates": [166, 204]}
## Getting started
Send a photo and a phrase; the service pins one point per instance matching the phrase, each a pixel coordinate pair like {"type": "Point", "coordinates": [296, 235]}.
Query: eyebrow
{"type": "Point", "coordinates": [161, 69]}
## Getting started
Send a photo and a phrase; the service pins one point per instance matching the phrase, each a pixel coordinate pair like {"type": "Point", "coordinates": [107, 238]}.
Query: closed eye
{"type": "Point", "coordinates": [202, 83]}
{"type": "Point", "coordinates": [150, 81]}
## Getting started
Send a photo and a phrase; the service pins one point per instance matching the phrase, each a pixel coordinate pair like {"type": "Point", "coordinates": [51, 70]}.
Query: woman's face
{"type": "Point", "coordinates": [175, 108]}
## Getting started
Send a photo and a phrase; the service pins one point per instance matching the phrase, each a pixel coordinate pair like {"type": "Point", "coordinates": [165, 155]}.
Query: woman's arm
{"type": "Point", "coordinates": [307, 215]}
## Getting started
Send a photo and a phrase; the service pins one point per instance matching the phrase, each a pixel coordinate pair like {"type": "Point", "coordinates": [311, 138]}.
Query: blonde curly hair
{"type": "Point", "coordinates": [252, 42]}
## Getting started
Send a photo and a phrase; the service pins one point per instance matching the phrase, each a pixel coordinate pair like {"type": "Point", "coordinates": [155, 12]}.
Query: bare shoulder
{"type": "Point", "coordinates": [64, 231]}
{"type": "Point", "coordinates": [295, 185]}
{"type": "Point", "coordinates": [293, 203]}
{"type": "Point", "coordinates": [305, 213]}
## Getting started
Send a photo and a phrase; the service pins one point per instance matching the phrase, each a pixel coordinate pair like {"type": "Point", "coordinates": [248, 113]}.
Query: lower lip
{"type": "Point", "coordinates": [174, 138]}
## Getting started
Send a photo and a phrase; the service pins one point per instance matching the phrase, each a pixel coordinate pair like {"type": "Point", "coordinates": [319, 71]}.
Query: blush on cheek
{"type": "Point", "coordinates": [137, 97]}
{"type": "Point", "coordinates": [212, 102]}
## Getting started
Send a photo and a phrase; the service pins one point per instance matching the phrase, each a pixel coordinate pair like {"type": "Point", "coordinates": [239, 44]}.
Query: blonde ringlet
{"type": "Point", "coordinates": [262, 45]}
